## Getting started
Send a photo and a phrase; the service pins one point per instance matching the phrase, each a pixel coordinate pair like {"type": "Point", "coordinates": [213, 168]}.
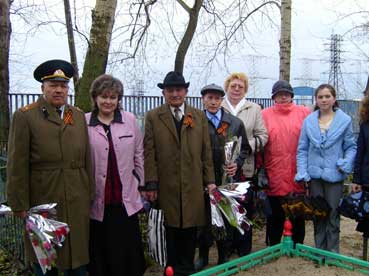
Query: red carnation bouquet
{"type": "Point", "coordinates": [45, 233]}
{"type": "Point", "coordinates": [224, 201]}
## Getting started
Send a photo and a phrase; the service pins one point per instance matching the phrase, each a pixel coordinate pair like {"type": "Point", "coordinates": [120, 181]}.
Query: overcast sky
{"type": "Point", "coordinates": [257, 55]}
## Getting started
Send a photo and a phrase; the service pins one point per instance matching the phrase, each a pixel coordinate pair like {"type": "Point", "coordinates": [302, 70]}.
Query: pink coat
{"type": "Point", "coordinates": [283, 123]}
{"type": "Point", "coordinates": [128, 146]}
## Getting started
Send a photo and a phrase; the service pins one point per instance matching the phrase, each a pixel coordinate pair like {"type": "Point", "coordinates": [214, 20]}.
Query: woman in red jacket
{"type": "Point", "coordinates": [283, 121]}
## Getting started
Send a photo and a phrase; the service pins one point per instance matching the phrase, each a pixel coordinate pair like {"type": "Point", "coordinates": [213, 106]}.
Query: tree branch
{"type": "Point", "coordinates": [184, 6]}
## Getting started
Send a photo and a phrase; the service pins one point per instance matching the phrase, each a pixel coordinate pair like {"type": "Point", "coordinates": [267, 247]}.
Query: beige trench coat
{"type": "Point", "coordinates": [180, 166]}
{"type": "Point", "coordinates": [250, 114]}
{"type": "Point", "coordinates": [49, 162]}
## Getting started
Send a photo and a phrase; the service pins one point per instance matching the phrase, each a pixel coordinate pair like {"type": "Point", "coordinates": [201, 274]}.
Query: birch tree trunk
{"type": "Point", "coordinates": [190, 31]}
{"type": "Point", "coordinates": [285, 41]}
{"type": "Point", "coordinates": [71, 43]}
{"type": "Point", "coordinates": [5, 31]}
{"type": "Point", "coordinates": [98, 49]}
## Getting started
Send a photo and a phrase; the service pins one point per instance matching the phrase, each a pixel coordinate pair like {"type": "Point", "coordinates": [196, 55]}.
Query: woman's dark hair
{"type": "Point", "coordinates": [333, 93]}
{"type": "Point", "coordinates": [364, 109]}
{"type": "Point", "coordinates": [104, 83]}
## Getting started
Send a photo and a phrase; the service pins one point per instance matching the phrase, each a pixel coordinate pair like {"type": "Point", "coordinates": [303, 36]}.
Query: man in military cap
{"type": "Point", "coordinates": [49, 162]}
{"type": "Point", "coordinates": [222, 127]}
{"type": "Point", "coordinates": [178, 165]}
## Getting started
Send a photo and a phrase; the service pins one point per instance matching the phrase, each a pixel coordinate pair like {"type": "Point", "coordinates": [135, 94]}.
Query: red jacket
{"type": "Point", "coordinates": [283, 123]}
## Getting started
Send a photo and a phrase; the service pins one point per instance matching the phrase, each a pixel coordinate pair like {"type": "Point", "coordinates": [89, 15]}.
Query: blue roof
{"type": "Point", "coordinates": [303, 91]}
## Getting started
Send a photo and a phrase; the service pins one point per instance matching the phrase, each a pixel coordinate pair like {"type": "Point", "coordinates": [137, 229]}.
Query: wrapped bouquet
{"type": "Point", "coordinates": [232, 150]}
{"type": "Point", "coordinates": [45, 233]}
{"type": "Point", "coordinates": [224, 201]}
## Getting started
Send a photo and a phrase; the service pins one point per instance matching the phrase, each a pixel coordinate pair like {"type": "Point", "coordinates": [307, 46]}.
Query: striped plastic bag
{"type": "Point", "coordinates": [156, 236]}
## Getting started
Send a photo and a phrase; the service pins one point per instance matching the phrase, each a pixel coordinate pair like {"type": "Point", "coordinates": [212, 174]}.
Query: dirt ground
{"type": "Point", "coordinates": [350, 245]}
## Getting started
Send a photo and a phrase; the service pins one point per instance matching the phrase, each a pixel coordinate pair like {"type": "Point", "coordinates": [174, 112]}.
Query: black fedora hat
{"type": "Point", "coordinates": [54, 70]}
{"type": "Point", "coordinates": [212, 88]}
{"type": "Point", "coordinates": [174, 79]}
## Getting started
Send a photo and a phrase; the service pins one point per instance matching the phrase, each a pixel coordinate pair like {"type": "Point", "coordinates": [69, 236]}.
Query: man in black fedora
{"type": "Point", "coordinates": [178, 166]}
{"type": "Point", "coordinates": [49, 161]}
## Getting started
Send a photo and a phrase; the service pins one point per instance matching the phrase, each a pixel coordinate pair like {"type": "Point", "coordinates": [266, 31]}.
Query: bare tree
{"type": "Point", "coordinates": [71, 42]}
{"type": "Point", "coordinates": [188, 35]}
{"type": "Point", "coordinates": [285, 41]}
{"type": "Point", "coordinates": [5, 31]}
{"type": "Point", "coordinates": [98, 49]}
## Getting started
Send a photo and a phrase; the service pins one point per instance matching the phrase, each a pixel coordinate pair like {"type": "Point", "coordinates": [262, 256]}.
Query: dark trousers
{"type": "Point", "coordinates": [80, 271]}
{"type": "Point", "coordinates": [181, 246]}
{"type": "Point", "coordinates": [275, 224]}
{"type": "Point", "coordinates": [243, 243]}
{"type": "Point", "coordinates": [206, 240]}
{"type": "Point", "coordinates": [115, 244]}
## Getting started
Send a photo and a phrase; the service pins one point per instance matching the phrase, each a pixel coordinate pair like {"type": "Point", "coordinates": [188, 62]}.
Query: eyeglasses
{"type": "Point", "coordinates": [234, 86]}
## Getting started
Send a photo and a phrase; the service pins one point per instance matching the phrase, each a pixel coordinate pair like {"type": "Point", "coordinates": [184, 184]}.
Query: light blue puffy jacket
{"type": "Point", "coordinates": [330, 155]}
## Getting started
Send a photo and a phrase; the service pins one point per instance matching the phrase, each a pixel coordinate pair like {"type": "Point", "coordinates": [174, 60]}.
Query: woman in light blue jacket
{"type": "Point", "coordinates": [325, 157]}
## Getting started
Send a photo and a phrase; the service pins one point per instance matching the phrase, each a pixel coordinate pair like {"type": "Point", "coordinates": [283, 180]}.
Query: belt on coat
{"type": "Point", "coordinates": [57, 165]}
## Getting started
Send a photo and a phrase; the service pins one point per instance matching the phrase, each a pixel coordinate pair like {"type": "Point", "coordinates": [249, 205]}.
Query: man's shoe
{"type": "Point", "coordinates": [201, 263]}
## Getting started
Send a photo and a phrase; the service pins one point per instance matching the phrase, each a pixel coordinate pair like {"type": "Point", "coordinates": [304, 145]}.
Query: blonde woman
{"type": "Point", "coordinates": [236, 86]}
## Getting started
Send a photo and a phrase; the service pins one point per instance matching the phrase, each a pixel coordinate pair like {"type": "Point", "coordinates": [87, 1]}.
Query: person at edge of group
{"type": "Point", "coordinates": [116, 145]}
{"type": "Point", "coordinates": [178, 165]}
{"type": "Point", "coordinates": [325, 157]}
{"type": "Point", "coordinates": [360, 181]}
{"type": "Point", "coordinates": [222, 127]}
{"type": "Point", "coordinates": [49, 161]}
{"type": "Point", "coordinates": [236, 86]}
{"type": "Point", "coordinates": [283, 121]}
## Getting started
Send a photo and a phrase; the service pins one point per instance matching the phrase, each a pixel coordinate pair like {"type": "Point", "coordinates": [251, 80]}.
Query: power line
{"type": "Point", "coordinates": [335, 73]}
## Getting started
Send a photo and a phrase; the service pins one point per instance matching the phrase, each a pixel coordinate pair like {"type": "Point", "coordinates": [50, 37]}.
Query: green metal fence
{"type": "Point", "coordinates": [286, 248]}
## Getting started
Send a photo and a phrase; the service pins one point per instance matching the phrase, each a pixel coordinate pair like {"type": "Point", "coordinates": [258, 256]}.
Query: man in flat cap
{"type": "Point", "coordinates": [222, 127]}
{"type": "Point", "coordinates": [178, 165]}
{"type": "Point", "coordinates": [49, 162]}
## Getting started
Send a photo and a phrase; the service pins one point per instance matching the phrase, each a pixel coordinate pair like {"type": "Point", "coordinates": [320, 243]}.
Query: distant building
{"type": "Point", "coordinates": [304, 94]}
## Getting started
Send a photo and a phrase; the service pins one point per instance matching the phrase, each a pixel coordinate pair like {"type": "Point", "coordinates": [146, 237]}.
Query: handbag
{"type": "Point", "coordinates": [260, 179]}
{"type": "Point", "coordinates": [156, 236]}
{"type": "Point", "coordinates": [355, 206]}
{"type": "Point", "coordinates": [306, 207]}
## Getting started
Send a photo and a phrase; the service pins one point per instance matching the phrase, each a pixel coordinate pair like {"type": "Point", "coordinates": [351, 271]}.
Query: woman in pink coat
{"type": "Point", "coordinates": [117, 156]}
{"type": "Point", "coordinates": [283, 121]}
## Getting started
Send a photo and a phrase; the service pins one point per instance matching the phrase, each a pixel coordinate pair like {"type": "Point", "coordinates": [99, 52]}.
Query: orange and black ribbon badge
{"type": "Point", "coordinates": [223, 129]}
{"type": "Point", "coordinates": [188, 121]}
{"type": "Point", "coordinates": [68, 118]}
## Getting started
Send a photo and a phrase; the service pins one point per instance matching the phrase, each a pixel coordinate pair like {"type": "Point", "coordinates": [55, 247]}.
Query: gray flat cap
{"type": "Point", "coordinates": [212, 88]}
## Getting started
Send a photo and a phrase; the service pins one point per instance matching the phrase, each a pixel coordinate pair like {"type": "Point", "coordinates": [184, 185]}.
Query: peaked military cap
{"type": "Point", "coordinates": [54, 70]}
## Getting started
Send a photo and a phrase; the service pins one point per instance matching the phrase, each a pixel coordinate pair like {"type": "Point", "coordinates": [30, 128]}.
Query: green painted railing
{"type": "Point", "coordinates": [285, 248]}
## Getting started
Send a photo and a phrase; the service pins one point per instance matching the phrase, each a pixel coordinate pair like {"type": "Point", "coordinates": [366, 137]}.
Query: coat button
{"type": "Point", "coordinates": [106, 148]}
{"type": "Point", "coordinates": [104, 175]}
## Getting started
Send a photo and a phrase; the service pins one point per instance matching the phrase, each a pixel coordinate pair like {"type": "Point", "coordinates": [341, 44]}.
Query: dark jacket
{"type": "Point", "coordinates": [361, 165]}
{"type": "Point", "coordinates": [228, 127]}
